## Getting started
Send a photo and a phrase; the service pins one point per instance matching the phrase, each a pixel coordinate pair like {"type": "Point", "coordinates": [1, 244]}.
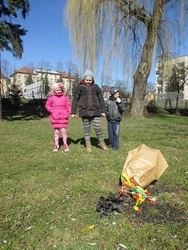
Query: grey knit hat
{"type": "Point", "coordinates": [89, 73]}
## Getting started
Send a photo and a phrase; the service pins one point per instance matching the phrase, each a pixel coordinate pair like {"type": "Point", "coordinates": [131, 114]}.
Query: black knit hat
{"type": "Point", "coordinates": [113, 90]}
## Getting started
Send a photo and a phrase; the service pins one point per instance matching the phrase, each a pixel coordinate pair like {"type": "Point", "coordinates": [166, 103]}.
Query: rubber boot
{"type": "Point", "coordinates": [88, 146]}
{"type": "Point", "coordinates": [103, 145]}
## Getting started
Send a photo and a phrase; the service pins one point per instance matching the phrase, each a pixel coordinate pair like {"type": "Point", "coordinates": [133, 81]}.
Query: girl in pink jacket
{"type": "Point", "coordinates": [59, 106]}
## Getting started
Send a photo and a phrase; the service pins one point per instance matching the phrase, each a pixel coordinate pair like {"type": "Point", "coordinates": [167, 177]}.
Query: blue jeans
{"type": "Point", "coordinates": [113, 134]}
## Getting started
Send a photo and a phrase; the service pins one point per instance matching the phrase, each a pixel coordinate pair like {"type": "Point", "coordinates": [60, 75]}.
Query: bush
{"type": "Point", "coordinates": [152, 107]}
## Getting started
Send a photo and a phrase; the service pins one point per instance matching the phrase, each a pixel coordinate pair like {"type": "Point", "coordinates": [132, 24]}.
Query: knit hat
{"type": "Point", "coordinates": [57, 85]}
{"type": "Point", "coordinates": [89, 73]}
{"type": "Point", "coordinates": [113, 90]}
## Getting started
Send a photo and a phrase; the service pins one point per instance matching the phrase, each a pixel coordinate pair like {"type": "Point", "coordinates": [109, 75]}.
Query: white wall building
{"type": "Point", "coordinates": [164, 72]}
{"type": "Point", "coordinates": [24, 77]}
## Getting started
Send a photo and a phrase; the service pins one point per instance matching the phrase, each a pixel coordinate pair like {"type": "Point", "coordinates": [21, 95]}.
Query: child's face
{"type": "Point", "coordinates": [116, 95]}
{"type": "Point", "coordinates": [88, 80]}
{"type": "Point", "coordinates": [58, 91]}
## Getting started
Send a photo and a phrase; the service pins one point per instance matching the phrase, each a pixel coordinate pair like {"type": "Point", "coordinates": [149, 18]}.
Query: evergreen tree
{"type": "Point", "coordinates": [10, 33]}
{"type": "Point", "coordinates": [174, 80]}
{"type": "Point", "coordinates": [15, 95]}
{"type": "Point", "coordinates": [75, 83]}
{"type": "Point", "coordinates": [46, 85]}
{"type": "Point", "coordinates": [29, 80]}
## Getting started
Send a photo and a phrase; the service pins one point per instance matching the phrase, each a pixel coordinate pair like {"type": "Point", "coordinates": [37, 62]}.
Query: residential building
{"type": "Point", "coordinates": [26, 76]}
{"type": "Point", "coordinates": [164, 72]}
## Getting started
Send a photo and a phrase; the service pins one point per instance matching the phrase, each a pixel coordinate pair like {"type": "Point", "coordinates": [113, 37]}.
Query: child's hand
{"type": "Point", "coordinates": [73, 116]}
{"type": "Point", "coordinates": [118, 100]}
{"type": "Point", "coordinates": [103, 114]}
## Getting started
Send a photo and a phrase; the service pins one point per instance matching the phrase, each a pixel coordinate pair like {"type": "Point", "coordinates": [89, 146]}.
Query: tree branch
{"type": "Point", "coordinates": [130, 8]}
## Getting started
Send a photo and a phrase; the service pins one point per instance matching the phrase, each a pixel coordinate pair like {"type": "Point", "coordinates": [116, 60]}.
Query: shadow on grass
{"type": "Point", "coordinates": [182, 112]}
{"type": "Point", "coordinates": [24, 112]}
{"type": "Point", "coordinates": [94, 141]}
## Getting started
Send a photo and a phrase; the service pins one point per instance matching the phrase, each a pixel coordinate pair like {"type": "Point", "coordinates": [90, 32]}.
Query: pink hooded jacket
{"type": "Point", "coordinates": [59, 107]}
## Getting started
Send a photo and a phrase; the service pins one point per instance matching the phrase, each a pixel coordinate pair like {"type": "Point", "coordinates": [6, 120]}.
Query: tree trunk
{"type": "Point", "coordinates": [139, 90]}
{"type": "Point", "coordinates": [0, 90]}
{"type": "Point", "coordinates": [144, 68]}
{"type": "Point", "coordinates": [0, 107]}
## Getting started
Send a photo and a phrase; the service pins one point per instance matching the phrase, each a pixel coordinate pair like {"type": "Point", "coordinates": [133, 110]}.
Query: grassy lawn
{"type": "Point", "coordinates": [48, 200]}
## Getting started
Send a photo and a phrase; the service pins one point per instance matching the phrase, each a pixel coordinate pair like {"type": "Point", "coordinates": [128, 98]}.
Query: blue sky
{"type": "Point", "coordinates": [47, 38]}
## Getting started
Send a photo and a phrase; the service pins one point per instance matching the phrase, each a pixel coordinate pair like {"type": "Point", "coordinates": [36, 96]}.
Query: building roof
{"type": "Point", "coordinates": [65, 75]}
{"type": "Point", "coordinates": [47, 71]}
{"type": "Point", "coordinates": [24, 70]}
{"type": "Point", "coordinates": [3, 76]}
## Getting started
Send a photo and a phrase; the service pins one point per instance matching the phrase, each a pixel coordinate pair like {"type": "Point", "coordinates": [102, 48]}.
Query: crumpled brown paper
{"type": "Point", "coordinates": [145, 165]}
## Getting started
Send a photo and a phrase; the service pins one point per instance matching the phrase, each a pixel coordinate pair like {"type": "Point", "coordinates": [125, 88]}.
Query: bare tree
{"type": "Point", "coordinates": [121, 84]}
{"type": "Point", "coordinates": [43, 65]}
{"type": "Point", "coordinates": [5, 71]}
{"type": "Point", "coordinates": [59, 66]}
{"type": "Point", "coordinates": [129, 32]}
{"type": "Point", "coordinates": [71, 70]}
{"type": "Point", "coordinates": [30, 65]}
{"type": "Point", "coordinates": [106, 78]}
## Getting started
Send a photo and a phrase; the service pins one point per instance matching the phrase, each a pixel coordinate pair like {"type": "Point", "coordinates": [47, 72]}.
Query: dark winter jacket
{"type": "Point", "coordinates": [114, 110]}
{"type": "Point", "coordinates": [89, 99]}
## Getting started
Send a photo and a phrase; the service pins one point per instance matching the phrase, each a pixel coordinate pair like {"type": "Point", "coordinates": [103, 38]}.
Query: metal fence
{"type": "Point", "coordinates": [168, 100]}
{"type": "Point", "coordinates": [33, 91]}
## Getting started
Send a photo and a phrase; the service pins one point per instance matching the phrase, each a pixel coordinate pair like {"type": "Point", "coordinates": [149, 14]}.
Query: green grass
{"type": "Point", "coordinates": [48, 200]}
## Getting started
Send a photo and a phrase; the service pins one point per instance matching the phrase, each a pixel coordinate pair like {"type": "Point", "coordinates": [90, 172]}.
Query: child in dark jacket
{"type": "Point", "coordinates": [89, 98]}
{"type": "Point", "coordinates": [114, 112]}
{"type": "Point", "coordinates": [59, 107]}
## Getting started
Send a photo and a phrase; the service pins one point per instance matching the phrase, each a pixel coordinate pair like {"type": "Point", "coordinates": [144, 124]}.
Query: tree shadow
{"type": "Point", "coordinates": [32, 110]}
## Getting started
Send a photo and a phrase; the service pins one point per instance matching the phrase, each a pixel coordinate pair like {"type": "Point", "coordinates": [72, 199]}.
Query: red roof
{"type": "Point", "coordinates": [65, 75]}
{"type": "Point", "coordinates": [25, 70]}
{"type": "Point", "coordinates": [3, 76]}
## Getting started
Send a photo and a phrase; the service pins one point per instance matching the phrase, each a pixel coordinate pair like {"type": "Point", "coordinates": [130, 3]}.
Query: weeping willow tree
{"type": "Point", "coordinates": [127, 33]}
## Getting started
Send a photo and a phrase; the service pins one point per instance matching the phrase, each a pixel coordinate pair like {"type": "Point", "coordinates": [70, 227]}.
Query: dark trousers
{"type": "Point", "coordinates": [113, 134]}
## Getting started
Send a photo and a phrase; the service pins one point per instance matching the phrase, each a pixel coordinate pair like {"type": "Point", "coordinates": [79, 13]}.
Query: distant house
{"type": "Point", "coordinates": [26, 76]}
